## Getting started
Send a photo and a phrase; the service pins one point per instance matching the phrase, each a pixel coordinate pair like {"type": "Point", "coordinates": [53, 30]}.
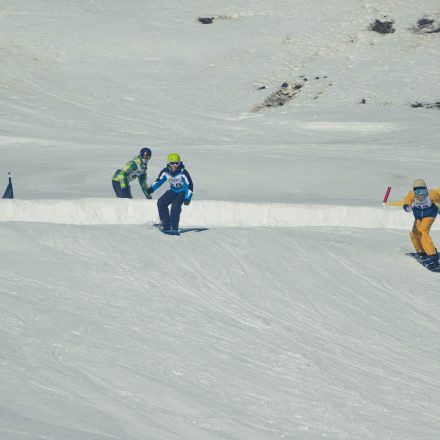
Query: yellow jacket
{"type": "Point", "coordinates": [425, 208]}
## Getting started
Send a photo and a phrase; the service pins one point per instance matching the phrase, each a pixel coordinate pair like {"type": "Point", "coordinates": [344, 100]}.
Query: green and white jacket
{"type": "Point", "coordinates": [136, 168]}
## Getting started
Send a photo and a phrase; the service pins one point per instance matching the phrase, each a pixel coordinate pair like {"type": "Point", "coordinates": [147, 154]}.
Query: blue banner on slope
{"type": "Point", "coordinates": [9, 193]}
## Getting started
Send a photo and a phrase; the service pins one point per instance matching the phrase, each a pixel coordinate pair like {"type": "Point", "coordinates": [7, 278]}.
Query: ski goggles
{"type": "Point", "coordinates": [420, 191]}
{"type": "Point", "coordinates": [173, 163]}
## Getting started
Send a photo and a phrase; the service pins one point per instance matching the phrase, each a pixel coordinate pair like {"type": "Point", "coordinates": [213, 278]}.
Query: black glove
{"type": "Point", "coordinates": [186, 202]}
{"type": "Point", "coordinates": [150, 190]}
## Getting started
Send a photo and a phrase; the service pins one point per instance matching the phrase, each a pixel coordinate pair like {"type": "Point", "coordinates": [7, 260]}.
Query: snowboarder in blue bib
{"type": "Point", "coordinates": [422, 202]}
{"type": "Point", "coordinates": [136, 168]}
{"type": "Point", "coordinates": [180, 192]}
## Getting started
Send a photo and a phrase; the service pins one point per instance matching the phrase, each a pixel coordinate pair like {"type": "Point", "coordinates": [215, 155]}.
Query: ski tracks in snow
{"type": "Point", "coordinates": [262, 331]}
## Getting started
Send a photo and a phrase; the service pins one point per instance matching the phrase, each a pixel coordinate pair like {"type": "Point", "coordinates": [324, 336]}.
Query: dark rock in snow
{"type": "Point", "coordinates": [426, 26]}
{"type": "Point", "coordinates": [206, 20]}
{"type": "Point", "coordinates": [417, 104]}
{"type": "Point", "coordinates": [382, 27]}
{"type": "Point", "coordinates": [424, 22]}
{"type": "Point", "coordinates": [280, 97]}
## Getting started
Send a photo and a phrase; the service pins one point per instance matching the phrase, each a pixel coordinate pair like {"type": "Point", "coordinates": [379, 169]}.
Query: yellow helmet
{"type": "Point", "coordinates": [173, 158]}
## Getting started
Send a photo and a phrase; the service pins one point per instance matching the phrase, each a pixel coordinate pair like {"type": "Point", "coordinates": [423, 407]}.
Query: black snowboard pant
{"type": "Point", "coordinates": [170, 218]}
{"type": "Point", "coordinates": [122, 193]}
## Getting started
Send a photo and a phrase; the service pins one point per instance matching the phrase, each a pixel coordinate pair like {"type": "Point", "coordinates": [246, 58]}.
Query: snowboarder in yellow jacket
{"type": "Point", "coordinates": [422, 202]}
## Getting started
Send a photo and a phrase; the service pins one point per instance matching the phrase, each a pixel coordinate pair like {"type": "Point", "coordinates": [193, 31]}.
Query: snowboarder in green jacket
{"type": "Point", "coordinates": [136, 168]}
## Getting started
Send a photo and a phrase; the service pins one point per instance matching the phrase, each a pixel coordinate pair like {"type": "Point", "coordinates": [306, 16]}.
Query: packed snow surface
{"type": "Point", "coordinates": [201, 213]}
{"type": "Point", "coordinates": [290, 311]}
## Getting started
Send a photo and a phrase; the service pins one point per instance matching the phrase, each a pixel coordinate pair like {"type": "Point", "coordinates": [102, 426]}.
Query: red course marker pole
{"type": "Point", "coordinates": [387, 193]}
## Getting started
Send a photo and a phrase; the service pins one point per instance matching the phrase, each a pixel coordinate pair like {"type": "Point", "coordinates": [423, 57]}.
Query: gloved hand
{"type": "Point", "coordinates": [187, 202]}
{"type": "Point", "coordinates": [407, 208]}
{"type": "Point", "coordinates": [150, 190]}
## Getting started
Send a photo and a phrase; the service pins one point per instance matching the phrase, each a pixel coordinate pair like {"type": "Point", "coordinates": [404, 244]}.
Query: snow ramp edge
{"type": "Point", "coordinates": [203, 213]}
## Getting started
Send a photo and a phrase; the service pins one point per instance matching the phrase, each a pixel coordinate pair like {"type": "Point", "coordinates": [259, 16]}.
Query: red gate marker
{"type": "Point", "coordinates": [387, 193]}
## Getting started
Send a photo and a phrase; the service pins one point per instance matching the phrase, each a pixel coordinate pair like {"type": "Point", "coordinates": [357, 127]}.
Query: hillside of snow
{"type": "Point", "coordinates": [85, 84]}
{"type": "Point", "coordinates": [293, 312]}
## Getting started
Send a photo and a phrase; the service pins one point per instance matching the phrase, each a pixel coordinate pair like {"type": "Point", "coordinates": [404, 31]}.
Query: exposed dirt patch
{"type": "Point", "coordinates": [284, 94]}
{"type": "Point", "coordinates": [382, 27]}
{"type": "Point", "coordinates": [210, 20]}
{"type": "Point", "coordinates": [417, 104]}
{"type": "Point", "coordinates": [205, 20]}
{"type": "Point", "coordinates": [426, 25]}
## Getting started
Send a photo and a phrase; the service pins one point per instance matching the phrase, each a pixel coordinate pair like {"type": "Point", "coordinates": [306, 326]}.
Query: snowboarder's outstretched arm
{"type": "Point", "coordinates": [143, 183]}
{"type": "Point", "coordinates": [161, 179]}
{"type": "Point", "coordinates": [190, 187]}
{"type": "Point", "coordinates": [408, 201]}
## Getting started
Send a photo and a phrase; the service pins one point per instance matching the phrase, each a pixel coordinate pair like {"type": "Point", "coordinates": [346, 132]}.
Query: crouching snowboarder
{"type": "Point", "coordinates": [422, 202]}
{"type": "Point", "coordinates": [136, 168]}
{"type": "Point", "coordinates": [180, 192]}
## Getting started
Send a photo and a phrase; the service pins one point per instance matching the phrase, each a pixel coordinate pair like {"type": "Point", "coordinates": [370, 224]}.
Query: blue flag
{"type": "Point", "coordinates": [9, 193]}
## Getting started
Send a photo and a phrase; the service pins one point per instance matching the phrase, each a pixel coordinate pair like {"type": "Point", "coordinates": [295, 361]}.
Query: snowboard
{"type": "Point", "coordinates": [183, 230]}
{"type": "Point", "coordinates": [180, 231]}
{"type": "Point", "coordinates": [423, 262]}
{"type": "Point", "coordinates": [170, 232]}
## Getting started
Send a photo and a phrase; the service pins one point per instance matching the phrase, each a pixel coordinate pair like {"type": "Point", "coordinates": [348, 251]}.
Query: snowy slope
{"type": "Point", "coordinates": [295, 314]}
{"type": "Point", "coordinates": [256, 333]}
{"type": "Point", "coordinates": [85, 84]}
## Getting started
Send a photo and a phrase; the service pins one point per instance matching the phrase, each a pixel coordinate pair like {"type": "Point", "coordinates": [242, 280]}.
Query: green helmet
{"type": "Point", "coordinates": [173, 157]}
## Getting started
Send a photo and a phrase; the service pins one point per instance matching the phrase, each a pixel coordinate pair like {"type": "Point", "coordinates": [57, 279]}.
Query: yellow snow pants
{"type": "Point", "coordinates": [420, 237]}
